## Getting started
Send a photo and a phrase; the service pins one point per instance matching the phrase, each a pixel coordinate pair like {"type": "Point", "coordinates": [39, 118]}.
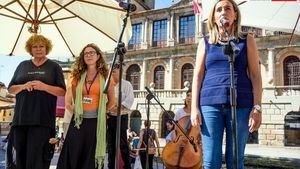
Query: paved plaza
{"type": "Point", "coordinates": [257, 157]}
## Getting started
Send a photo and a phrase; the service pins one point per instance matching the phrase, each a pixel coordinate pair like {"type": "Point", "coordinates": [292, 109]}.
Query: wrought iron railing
{"type": "Point", "coordinates": [180, 93]}
{"type": "Point", "coordinates": [284, 90]}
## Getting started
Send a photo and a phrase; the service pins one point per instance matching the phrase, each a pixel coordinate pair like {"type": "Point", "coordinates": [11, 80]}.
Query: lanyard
{"type": "Point", "coordinates": [89, 89]}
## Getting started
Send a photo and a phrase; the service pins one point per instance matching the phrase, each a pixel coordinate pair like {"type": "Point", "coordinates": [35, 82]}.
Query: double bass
{"type": "Point", "coordinates": [184, 152]}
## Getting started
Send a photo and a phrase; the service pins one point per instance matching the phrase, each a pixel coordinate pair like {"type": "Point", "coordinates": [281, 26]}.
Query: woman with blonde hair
{"type": "Point", "coordinates": [36, 84]}
{"type": "Point", "coordinates": [211, 87]}
{"type": "Point", "coordinates": [85, 142]}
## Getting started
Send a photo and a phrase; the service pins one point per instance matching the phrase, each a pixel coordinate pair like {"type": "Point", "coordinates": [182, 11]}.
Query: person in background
{"type": "Point", "coordinates": [68, 110]}
{"type": "Point", "coordinates": [84, 146]}
{"type": "Point", "coordinates": [211, 87]}
{"type": "Point", "coordinates": [180, 113]}
{"type": "Point", "coordinates": [36, 84]}
{"type": "Point", "coordinates": [171, 135]}
{"type": "Point", "coordinates": [126, 103]}
{"type": "Point", "coordinates": [152, 139]}
{"type": "Point", "coordinates": [186, 110]}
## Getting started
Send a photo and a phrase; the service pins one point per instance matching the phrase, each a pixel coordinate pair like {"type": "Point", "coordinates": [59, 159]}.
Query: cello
{"type": "Point", "coordinates": [185, 151]}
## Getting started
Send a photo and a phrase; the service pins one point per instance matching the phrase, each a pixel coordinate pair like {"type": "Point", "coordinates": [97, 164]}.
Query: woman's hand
{"type": "Point", "coordinates": [254, 120]}
{"type": "Point", "coordinates": [38, 85]}
{"type": "Point", "coordinates": [196, 117]}
{"type": "Point", "coordinates": [28, 86]}
{"type": "Point", "coordinates": [158, 153]}
{"type": "Point", "coordinates": [70, 107]}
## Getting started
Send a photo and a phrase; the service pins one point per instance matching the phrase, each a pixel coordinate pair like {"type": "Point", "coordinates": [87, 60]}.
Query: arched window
{"type": "Point", "coordinates": [292, 129]}
{"type": "Point", "coordinates": [159, 77]}
{"type": "Point", "coordinates": [133, 76]}
{"type": "Point", "coordinates": [291, 70]}
{"type": "Point", "coordinates": [253, 138]}
{"type": "Point", "coordinates": [165, 117]}
{"type": "Point", "coordinates": [135, 121]}
{"type": "Point", "coordinates": [186, 73]}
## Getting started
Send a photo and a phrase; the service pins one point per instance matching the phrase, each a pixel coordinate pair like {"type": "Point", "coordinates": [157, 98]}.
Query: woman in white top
{"type": "Point", "coordinates": [170, 127]}
{"type": "Point", "coordinates": [181, 112]}
{"type": "Point", "coordinates": [186, 110]}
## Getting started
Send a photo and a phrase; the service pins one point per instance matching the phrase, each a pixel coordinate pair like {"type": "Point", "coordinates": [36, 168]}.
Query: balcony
{"type": "Point", "coordinates": [161, 93]}
{"type": "Point", "coordinates": [284, 90]}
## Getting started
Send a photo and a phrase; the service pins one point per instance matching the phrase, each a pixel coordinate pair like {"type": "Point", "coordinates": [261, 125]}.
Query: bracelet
{"type": "Point", "coordinates": [259, 111]}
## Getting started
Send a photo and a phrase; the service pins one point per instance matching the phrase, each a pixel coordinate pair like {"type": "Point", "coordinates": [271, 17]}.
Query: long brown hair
{"type": "Point", "coordinates": [213, 27]}
{"type": "Point", "coordinates": [187, 92]}
{"type": "Point", "coordinates": [80, 66]}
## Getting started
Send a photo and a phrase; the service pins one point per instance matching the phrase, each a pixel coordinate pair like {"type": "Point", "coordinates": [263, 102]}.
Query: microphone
{"type": "Point", "coordinates": [127, 6]}
{"type": "Point", "coordinates": [150, 94]}
{"type": "Point", "coordinates": [234, 48]}
{"type": "Point", "coordinates": [224, 21]}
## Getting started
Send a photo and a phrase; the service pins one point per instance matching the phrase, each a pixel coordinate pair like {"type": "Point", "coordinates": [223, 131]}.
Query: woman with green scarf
{"type": "Point", "coordinates": [85, 143]}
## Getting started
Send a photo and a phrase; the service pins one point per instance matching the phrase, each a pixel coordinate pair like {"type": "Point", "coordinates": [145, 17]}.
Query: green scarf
{"type": "Point", "coordinates": [101, 119]}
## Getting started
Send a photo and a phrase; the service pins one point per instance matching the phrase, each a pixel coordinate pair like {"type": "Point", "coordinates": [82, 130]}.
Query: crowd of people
{"type": "Point", "coordinates": [90, 120]}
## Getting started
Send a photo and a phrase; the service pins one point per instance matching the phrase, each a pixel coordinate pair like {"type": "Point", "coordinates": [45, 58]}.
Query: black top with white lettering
{"type": "Point", "coordinates": [36, 108]}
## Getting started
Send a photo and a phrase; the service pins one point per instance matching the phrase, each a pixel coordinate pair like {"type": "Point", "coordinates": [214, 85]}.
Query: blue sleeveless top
{"type": "Point", "coordinates": [216, 83]}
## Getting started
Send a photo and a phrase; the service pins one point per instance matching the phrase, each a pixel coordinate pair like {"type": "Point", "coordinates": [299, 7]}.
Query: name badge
{"type": "Point", "coordinates": [87, 100]}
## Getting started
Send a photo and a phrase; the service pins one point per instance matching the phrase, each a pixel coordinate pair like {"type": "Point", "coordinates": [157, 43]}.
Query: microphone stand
{"type": "Point", "coordinates": [231, 49]}
{"type": "Point", "coordinates": [170, 117]}
{"type": "Point", "coordinates": [119, 51]}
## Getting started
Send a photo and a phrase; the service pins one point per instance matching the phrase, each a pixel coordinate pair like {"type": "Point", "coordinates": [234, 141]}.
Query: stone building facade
{"type": "Point", "coordinates": [161, 55]}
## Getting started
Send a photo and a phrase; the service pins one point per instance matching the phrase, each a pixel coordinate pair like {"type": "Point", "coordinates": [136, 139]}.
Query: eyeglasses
{"type": "Point", "coordinates": [91, 53]}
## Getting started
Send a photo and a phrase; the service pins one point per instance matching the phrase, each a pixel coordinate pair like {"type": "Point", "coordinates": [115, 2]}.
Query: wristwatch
{"type": "Point", "coordinates": [257, 107]}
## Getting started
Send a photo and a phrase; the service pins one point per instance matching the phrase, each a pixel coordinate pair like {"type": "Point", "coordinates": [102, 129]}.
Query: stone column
{"type": "Point", "coordinates": [271, 66]}
{"type": "Point", "coordinates": [170, 30]}
{"type": "Point", "coordinates": [176, 20]}
{"type": "Point", "coordinates": [145, 40]}
{"type": "Point", "coordinates": [197, 27]}
{"type": "Point", "coordinates": [169, 81]}
{"type": "Point", "coordinates": [143, 76]}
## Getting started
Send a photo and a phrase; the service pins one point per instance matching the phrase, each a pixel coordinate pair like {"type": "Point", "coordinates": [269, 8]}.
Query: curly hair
{"type": "Point", "coordinates": [35, 39]}
{"type": "Point", "coordinates": [213, 28]}
{"type": "Point", "coordinates": [80, 66]}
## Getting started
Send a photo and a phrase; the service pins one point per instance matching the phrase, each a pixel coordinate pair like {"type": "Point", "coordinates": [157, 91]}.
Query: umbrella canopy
{"type": "Point", "coordinates": [69, 24]}
{"type": "Point", "coordinates": [275, 16]}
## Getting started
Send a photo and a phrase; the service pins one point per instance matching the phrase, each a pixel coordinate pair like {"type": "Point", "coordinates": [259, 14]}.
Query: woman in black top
{"type": "Point", "coordinates": [36, 84]}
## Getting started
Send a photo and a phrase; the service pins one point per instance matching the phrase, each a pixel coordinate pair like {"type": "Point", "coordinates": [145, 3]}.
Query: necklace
{"type": "Point", "coordinates": [222, 42]}
{"type": "Point", "coordinates": [89, 80]}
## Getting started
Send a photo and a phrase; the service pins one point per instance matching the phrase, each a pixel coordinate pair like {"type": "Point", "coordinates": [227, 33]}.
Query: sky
{"type": "Point", "coordinates": [8, 64]}
{"type": "Point", "coordinates": [164, 3]}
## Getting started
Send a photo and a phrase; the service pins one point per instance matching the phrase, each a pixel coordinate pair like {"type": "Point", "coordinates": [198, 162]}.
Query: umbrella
{"type": "Point", "coordinates": [275, 16]}
{"type": "Point", "coordinates": [69, 24]}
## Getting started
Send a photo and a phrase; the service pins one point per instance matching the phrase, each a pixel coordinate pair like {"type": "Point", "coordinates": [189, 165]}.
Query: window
{"type": "Point", "coordinates": [255, 31]}
{"type": "Point", "coordinates": [186, 74]}
{"type": "Point", "coordinates": [292, 129]}
{"type": "Point", "coordinates": [133, 76]}
{"type": "Point", "coordinates": [187, 29]}
{"type": "Point", "coordinates": [291, 70]}
{"type": "Point", "coordinates": [135, 121]}
{"type": "Point", "coordinates": [159, 33]}
{"type": "Point", "coordinates": [136, 38]}
{"type": "Point", "coordinates": [159, 77]}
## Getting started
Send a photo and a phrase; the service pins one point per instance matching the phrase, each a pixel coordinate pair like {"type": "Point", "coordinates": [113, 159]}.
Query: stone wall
{"type": "Point", "coordinates": [275, 109]}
